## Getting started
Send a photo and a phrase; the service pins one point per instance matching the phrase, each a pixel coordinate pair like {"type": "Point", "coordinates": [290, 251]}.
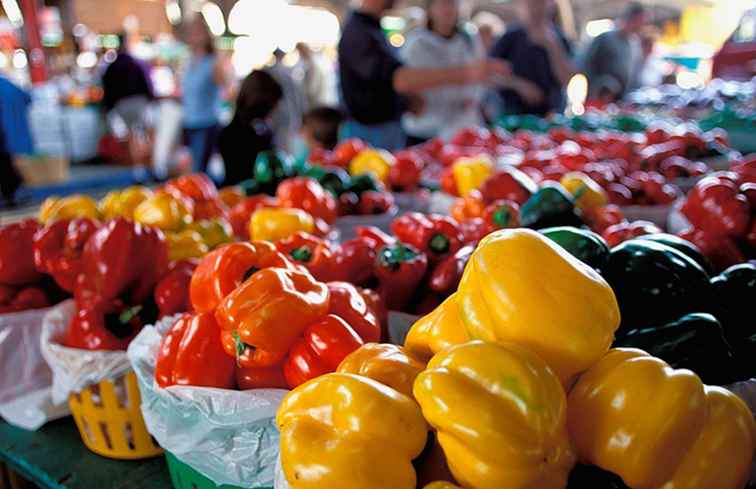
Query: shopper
{"type": "Point", "coordinates": [287, 118]}
{"type": "Point", "coordinates": [203, 84]}
{"type": "Point", "coordinates": [375, 84]}
{"type": "Point", "coordinates": [440, 44]}
{"type": "Point", "coordinates": [15, 137]}
{"type": "Point", "coordinates": [320, 128]}
{"type": "Point", "coordinates": [314, 79]}
{"type": "Point", "coordinates": [615, 57]}
{"type": "Point", "coordinates": [127, 89]}
{"type": "Point", "coordinates": [249, 132]}
{"type": "Point", "coordinates": [540, 56]}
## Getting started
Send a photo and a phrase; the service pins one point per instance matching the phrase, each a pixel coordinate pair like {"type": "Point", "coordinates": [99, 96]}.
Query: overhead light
{"type": "Point", "coordinates": [393, 23]}
{"type": "Point", "coordinates": [86, 59]}
{"type": "Point", "coordinates": [213, 16]}
{"type": "Point", "coordinates": [597, 27]}
{"type": "Point", "coordinates": [13, 12]}
{"type": "Point", "coordinates": [577, 93]}
{"type": "Point", "coordinates": [396, 40]}
{"type": "Point", "coordinates": [688, 80]}
{"type": "Point", "coordinates": [19, 59]}
{"type": "Point", "coordinates": [173, 12]}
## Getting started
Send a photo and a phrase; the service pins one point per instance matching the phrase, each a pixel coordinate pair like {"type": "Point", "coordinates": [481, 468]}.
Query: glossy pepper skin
{"type": "Point", "coordinates": [231, 195]}
{"type": "Point", "coordinates": [436, 235]}
{"type": "Point", "coordinates": [437, 331]}
{"type": "Point", "coordinates": [121, 203]}
{"type": "Point", "coordinates": [654, 283]}
{"type": "Point", "coordinates": [214, 232]}
{"type": "Point", "coordinates": [683, 246]}
{"type": "Point", "coordinates": [191, 354]}
{"type": "Point", "coordinates": [500, 413]}
{"type": "Point", "coordinates": [468, 207]}
{"type": "Point", "coordinates": [470, 173]}
{"type": "Point", "coordinates": [721, 251]}
{"type": "Point", "coordinates": [241, 213]}
{"type": "Point", "coordinates": [223, 271]}
{"type": "Point", "coordinates": [55, 208]}
{"type": "Point", "coordinates": [624, 231]}
{"type": "Point", "coordinates": [550, 206]}
{"type": "Point", "coordinates": [185, 245]}
{"type": "Point", "coordinates": [354, 261]}
{"type": "Point", "coordinates": [586, 246]}
{"type": "Point", "coordinates": [732, 294]}
{"type": "Point", "coordinates": [274, 224]}
{"type": "Point", "coordinates": [270, 310]}
{"type": "Point", "coordinates": [269, 169]}
{"type": "Point", "coordinates": [600, 218]}
{"type": "Point", "coordinates": [312, 252]}
{"type": "Point", "coordinates": [502, 214]}
{"type": "Point", "coordinates": [609, 426]}
{"type": "Point", "coordinates": [695, 342]}
{"type": "Point", "coordinates": [375, 162]}
{"type": "Point", "coordinates": [102, 324]}
{"type": "Point", "coordinates": [320, 350]}
{"type": "Point", "coordinates": [390, 365]}
{"type": "Point", "coordinates": [171, 293]}
{"type": "Point", "coordinates": [196, 186]}
{"type": "Point", "coordinates": [12, 300]}
{"type": "Point", "coordinates": [348, 304]}
{"type": "Point", "coordinates": [58, 248]}
{"type": "Point", "coordinates": [574, 308]}
{"type": "Point", "coordinates": [344, 431]}
{"type": "Point", "coordinates": [376, 203]}
{"type": "Point", "coordinates": [16, 253]}
{"type": "Point", "coordinates": [509, 184]}
{"type": "Point", "coordinates": [587, 193]}
{"type": "Point", "coordinates": [399, 269]}
{"type": "Point", "coordinates": [334, 180]}
{"type": "Point", "coordinates": [307, 194]}
{"type": "Point", "coordinates": [447, 273]}
{"type": "Point", "coordinates": [163, 211]}
{"type": "Point", "coordinates": [715, 206]}
{"type": "Point", "coordinates": [261, 378]}
{"type": "Point", "coordinates": [405, 173]}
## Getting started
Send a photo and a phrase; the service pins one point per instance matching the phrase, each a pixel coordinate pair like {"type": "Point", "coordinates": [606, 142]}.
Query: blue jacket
{"type": "Point", "coordinates": [15, 135]}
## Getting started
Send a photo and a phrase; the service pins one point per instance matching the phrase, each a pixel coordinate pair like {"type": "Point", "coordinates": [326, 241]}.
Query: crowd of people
{"type": "Point", "coordinates": [445, 77]}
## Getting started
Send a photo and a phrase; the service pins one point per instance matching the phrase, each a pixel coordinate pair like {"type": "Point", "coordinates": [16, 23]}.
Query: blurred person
{"type": "Point", "coordinates": [541, 59]}
{"type": "Point", "coordinates": [287, 118]}
{"type": "Point", "coordinates": [203, 84]}
{"type": "Point", "coordinates": [15, 137]}
{"type": "Point", "coordinates": [652, 67]}
{"type": "Point", "coordinates": [313, 76]}
{"type": "Point", "coordinates": [440, 44]}
{"type": "Point", "coordinates": [320, 128]}
{"type": "Point", "coordinates": [617, 53]}
{"type": "Point", "coordinates": [490, 27]}
{"type": "Point", "coordinates": [127, 89]}
{"type": "Point", "coordinates": [376, 86]}
{"type": "Point", "coordinates": [249, 132]}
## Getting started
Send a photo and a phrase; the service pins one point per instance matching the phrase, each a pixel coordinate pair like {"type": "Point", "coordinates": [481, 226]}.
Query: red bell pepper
{"type": "Point", "coordinates": [750, 237]}
{"type": "Point", "coordinates": [746, 170]}
{"type": "Point", "coordinates": [624, 231]}
{"type": "Point", "coordinates": [434, 234]}
{"type": "Point", "coordinates": [722, 251]}
{"type": "Point", "coordinates": [123, 260]}
{"type": "Point", "coordinates": [221, 271]}
{"type": "Point", "coordinates": [354, 260]}
{"type": "Point", "coordinates": [378, 307]}
{"type": "Point", "coordinates": [600, 218]}
{"type": "Point", "coordinates": [511, 184]}
{"type": "Point", "coordinates": [16, 253]}
{"type": "Point", "coordinates": [191, 354]}
{"type": "Point", "coordinates": [375, 203]}
{"type": "Point", "coordinates": [345, 151]}
{"type": "Point", "coordinates": [172, 291]}
{"type": "Point", "coordinates": [58, 249]}
{"type": "Point", "coordinates": [447, 182]}
{"type": "Point", "coordinates": [749, 190]}
{"type": "Point", "coordinates": [473, 230]}
{"type": "Point", "coordinates": [377, 238]}
{"type": "Point", "coordinates": [405, 172]}
{"type": "Point", "coordinates": [446, 275]}
{"type": "Point", "coordinates": [102, 324]}
{"type": "Point", "coordinates": [716, 207]}
{"type": "Point", "coordinates": [349, 204]}
{"type": "Point", "coordinates": [307, 194]}
{"type": "Point", "coordinates": [210, 209]}
{"type": "Point", "coordinates": [349, 305]}
{"type": "Point", "coordinates": [502, 214]}
{"type": "Point", "coordinates": [261, 378]}
{"type": "Point", "coordinates": [320, 351]}
{"type": "Point", "coordinates": [619, 194]}
{"type": "Point", "coordinates": [12, 300]}
{"type": "Point", "coordinates": [197, 187]}
{"type": "Point", "coordinates": [400, 269]}
{"type": "Point", "coordinates": [241, 213]}
{"type": "Point", "coordinates": [312, 252]}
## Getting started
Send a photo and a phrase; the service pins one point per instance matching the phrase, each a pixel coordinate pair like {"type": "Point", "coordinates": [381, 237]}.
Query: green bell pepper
{"type": "Point", "coordinates": [335, 180]}
{"type": "Point", "coordinates": [682, 245]}
{"type": "Point", "coordinates": [250, 187]}
{"type": "Point", "coordinates": [362, 183]}
{"type": "Point", "coordinates": [732, 302]}
{"type": "Point", "coordinates": [654, 284]}
{"type": "Point", "coordinates": [695, 342]}
{"type": "Point", "coordinates": [550, 206]}
{"type": "Point", "coordinates": [586, 246]}
{"type": "Point", "coordinates": [270, 168]}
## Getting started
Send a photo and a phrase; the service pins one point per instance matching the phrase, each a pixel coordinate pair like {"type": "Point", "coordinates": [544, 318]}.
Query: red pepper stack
{"type": "Point", "coordinates": [20, 283]}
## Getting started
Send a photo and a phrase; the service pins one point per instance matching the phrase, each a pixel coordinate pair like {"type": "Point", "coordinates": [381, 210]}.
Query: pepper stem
{"type": "Point", "coordinates": [393, 256]}
{"type": "Point", "coordinates": [240, 347]}
{"type": "Point", "coordinates": [501, 217]}
{"type": "Point", "coordinates": [303, 254]}
{"type": "Point", "coordinates": [583, 188]}
{"type": "Point", "coordinates": [129, 314]}
{"type": "Point", "coordinates": [439, 244]}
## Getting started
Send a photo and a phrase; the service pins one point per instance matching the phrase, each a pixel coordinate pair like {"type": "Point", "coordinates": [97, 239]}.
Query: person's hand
{"type": "Point", "coordinates": [488, 70]}
{"type": "Point", "coordinates": [415, 104]}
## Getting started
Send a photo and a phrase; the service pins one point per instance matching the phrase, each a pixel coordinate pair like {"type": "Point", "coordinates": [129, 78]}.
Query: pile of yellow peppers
{"type": "Point", "coordinates": [507, 385]}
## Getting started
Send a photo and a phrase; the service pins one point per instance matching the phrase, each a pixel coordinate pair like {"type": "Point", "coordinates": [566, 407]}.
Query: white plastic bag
{"type": "Point", "coordinates": [26, 379]}
{"type": "Point", "coordinates": [228, 436]}
{"type": "Point", "coordinates": [74, 369]}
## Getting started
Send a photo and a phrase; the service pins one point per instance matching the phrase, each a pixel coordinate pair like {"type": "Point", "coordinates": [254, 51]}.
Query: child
{"type": "Point", "coordinates": [249, 131]}
{"type": "Point", "coordinates": [320, 128]}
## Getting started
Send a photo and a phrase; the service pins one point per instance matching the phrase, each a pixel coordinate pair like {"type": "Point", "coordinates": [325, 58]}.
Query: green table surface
{"type": "Point", "coordinates": [54, 457]}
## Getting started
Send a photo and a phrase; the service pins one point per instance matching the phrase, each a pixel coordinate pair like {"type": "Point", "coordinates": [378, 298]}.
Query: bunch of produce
{"type": "Point", "coordinates": [259, 320]}
{"type": "Point", "coordinates": [484, 399]}
{"type": "Point", "coordinates": [21, 284]}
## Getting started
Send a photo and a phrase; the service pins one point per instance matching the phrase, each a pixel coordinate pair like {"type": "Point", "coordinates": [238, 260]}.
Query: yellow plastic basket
{"type": "Point", "coordinates": [110, 422]}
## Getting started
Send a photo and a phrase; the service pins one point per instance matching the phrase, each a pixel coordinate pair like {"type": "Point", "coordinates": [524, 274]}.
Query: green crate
{"type": "Point", "coordinates": [185, 477]}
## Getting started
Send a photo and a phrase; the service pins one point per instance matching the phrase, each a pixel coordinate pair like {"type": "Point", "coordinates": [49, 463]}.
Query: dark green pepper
{"type": "Point", "coordinates": [335, 180]}
{"type": "Point", "coordinates": [250, 187]}
{"type": "Point", "coordinates": [682, 245]}
{"type": "Point", "coordinates": [550, 206]}
{"type": "Point", "coordinates": [586, 246]}
{"type": "Point", "coordinates": [592, 477]}
{"type": "Point", "coordinates": [654, 284]}
{"type": "Point", "coordinates": [695, 342]}
{"type": "Point", "coordinates": [363, 183]}
{"type": "Point", "coordinates": [732, 302]}
{"type": "Point", "coordinates": [270, 168]}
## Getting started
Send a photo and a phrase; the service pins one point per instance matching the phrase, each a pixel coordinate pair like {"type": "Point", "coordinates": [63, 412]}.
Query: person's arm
{"type": "Point", "coordinates": [412, 80]}
{"type": "Point", "coordinates": [559, 56]}
{"type": "Point", "coordinates": [527, 90]}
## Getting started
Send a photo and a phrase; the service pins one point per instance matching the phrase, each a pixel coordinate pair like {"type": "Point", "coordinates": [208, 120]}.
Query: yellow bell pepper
{"type": "Point", "coordinates": [185, 244]}
{"type": "Point", "coordinates": [214, 232]}
{"type": "Point", "coordinates": [376, 162]}
{"type": "Point", "coordinates": [470, 173]}
{"type": "Point", "coordinates": [163, 211]}
{"type": "Point", "coordinates": [521, 287]}
{"type": "Point", "coordinates": [344, 431]}
{"type": "Point", "coordinates": [435, 332]}
{"type": "Point", "coordinates": [390, 365]}
{"type": "Point", "coordinates": [270, 224]}
{"type": "Point", "coordinates": [121, 203]}
{"type": "Point", "coordinates": [441, 485]}
{"type": "Point", "coordinates": [659, 428]}
{"type": "Point", "coordinates": [71, 207]}
{"type": "Point", "coordinates": [231, 195]}
{"type": "Point", "coordinates": [500, 415]}
{"type": "Point", "coordinates": [587, 193]}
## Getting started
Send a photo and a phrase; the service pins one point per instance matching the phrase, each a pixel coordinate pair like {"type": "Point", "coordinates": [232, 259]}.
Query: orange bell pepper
{"type": "Point", "coordinates": [468, 207]}
{"type": "Point", "coordinates": [223, 270]}
{"type": "Point", "coordinates": [315, 254]}
{"type": "Point", "coordinates": [269, 311]}
{"type": "Point", "coordinates": [196, 186]}
{"type": "Point", "coordinates": [231, 195]}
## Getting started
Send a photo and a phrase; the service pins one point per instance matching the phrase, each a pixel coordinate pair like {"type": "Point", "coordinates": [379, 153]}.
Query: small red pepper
{"type": "Point", "coordinates": [716, 207]}
{"type": "Point", "coordinates": [475, 229]}
{"type": "Point", "coordinates": [619, 194]}
{"type": "Point", "coordinates": [172, 291]}
{"type": "Point", "coordinates": [58, 249]}
{"type": "Point", "coordinates": [25, 299]}
{"type": "Point", "coordinates": [377, 306]}
{"type": "Point", "coordinates": [721, 251]}
{"type": "Point", "coordinates": [447, 182]}
{"type": "Point", "coordinates": [197, 187]}
{"type": "Point", "coordinates": [436, 235]}
{"type": "Point", "coordinates": [191, 354]}
{"type": "Point", "coordinates": [375, 203]}
{"type": "Point", "coordinates": [405, 172]}
{"type": "Point", "coordinates": [600, 218]}
{"type": "Point", "coordinates": [624, 231]}
{"type": "Point", "coordinates": [320, 350]}
{"type": "Point", "coordinates": [210, 209]}
{"type": "Point", "coordinates": [16, 253]}
{"type": "Point", "coordinates": [447, 274]}
{"type": "Point", "coordinates": [502, 214]}
{"type": "Point", "coordinates": [102, 324]}
{"type": "Point", "coordinates": [377, 238]}
{"type": "Point", "coordinates": [349, 305]}
{"type": "Point", "coordinates": [307, 194]}
{"type": "Point", "coordinates": [314, 253]}
{"type": "Point", "coordinates": [511, 184]}
{"type": "Point", "coordinates": [354, 260]}
{"type": "Point", "coordinates": [261, 378]}
{"type": "Point", "coordinates": [345, 151]}
{"type": "Point", "coordinates": [241, 213]}
{"type": "Point", "coordinates": [349, 204]}
{"type": "Point", "coordinates": [400, 268]}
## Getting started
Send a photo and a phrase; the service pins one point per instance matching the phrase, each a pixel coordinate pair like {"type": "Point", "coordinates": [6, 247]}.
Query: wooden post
{"type": "Point", "coordinates": [35, 53]}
